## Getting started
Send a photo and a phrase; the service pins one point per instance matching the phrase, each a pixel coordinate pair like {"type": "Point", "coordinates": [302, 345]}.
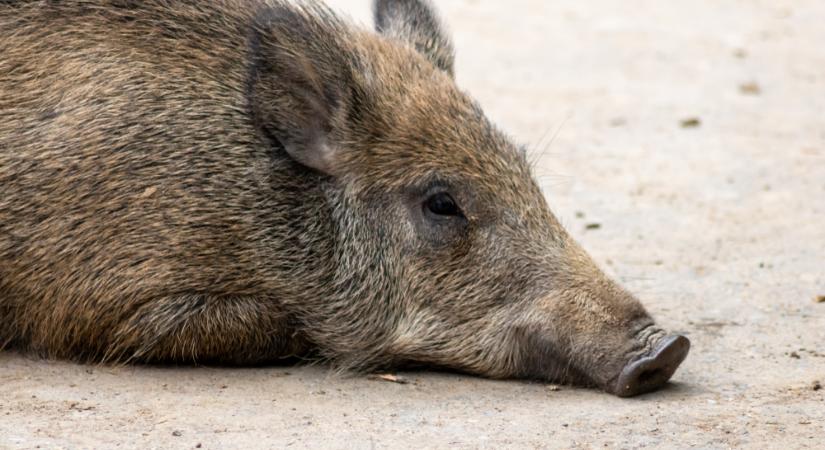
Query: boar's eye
{"type": "Point", "coordinates": [441, 204]}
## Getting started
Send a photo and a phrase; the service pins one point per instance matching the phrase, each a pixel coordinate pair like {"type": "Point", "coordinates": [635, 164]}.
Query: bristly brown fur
{"type": "Point", "coordinates": [242, 181]}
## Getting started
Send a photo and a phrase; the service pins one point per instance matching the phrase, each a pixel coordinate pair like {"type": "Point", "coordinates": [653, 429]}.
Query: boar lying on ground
{"type": "Point", "coordinates": [244, 181]}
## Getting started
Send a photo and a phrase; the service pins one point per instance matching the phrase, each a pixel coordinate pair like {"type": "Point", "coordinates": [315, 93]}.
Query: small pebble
{"type": "Point", "coordinates": [750, 88]}
{"type": "Point", "coordinates": [690, 122]}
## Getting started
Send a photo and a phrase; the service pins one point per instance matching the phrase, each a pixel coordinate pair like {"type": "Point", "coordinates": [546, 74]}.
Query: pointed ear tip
{"type": "Point", "coordinates": [418, 23]}
{"type": "Point", "coordinates": [384, 10]}
{"type": "Point", "coordinates": [385, 6]}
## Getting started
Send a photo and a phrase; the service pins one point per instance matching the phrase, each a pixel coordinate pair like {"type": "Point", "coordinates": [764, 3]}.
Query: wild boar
{"type": "Point", "coordinates": [244, 181]}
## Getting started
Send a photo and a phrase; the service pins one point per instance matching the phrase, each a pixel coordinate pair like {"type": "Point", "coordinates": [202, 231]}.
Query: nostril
{"type": "Point", "coordinates": [650, 372]}
{"type": "Point", "coordinates": [649, 376]}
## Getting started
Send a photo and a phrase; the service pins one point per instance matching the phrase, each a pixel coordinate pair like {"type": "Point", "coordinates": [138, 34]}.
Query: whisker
{"type": "Point", "coordinates": [544, 150]}
{"type": "Point", "coordinates": [538, 144]}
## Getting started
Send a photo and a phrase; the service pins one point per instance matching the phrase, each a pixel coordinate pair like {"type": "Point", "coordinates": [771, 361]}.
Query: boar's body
{"type": "Point", "coordinates": [143, 215]}
{"type": "Point", "coordinates": [240, 182]}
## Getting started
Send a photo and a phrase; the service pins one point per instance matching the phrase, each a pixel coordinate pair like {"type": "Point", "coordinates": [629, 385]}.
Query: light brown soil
{"type": "Point", "coordinates": [719, 227]}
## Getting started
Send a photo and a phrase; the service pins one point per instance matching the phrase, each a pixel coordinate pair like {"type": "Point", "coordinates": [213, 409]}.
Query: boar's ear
{"type": "Point", "coordinates": [416, 23]}
{"type": "Point", "coordinates": [302, 84]}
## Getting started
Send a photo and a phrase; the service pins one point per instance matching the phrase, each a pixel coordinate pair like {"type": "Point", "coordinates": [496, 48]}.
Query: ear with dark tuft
{"type": "Point", "coordinates": [416, 22]}
{"type": "Point", "coordinates": [302, 82]}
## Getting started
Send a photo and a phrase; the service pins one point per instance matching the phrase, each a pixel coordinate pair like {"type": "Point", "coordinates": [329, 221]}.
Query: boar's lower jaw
{"type": "Point", "coordinates": [542, 363]}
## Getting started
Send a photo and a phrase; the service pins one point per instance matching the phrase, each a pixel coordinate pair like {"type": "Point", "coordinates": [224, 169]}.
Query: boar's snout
{"type": "Point", "coordinates": [600, 335]}
{"type": "Point", "coordinates": [650, 371]}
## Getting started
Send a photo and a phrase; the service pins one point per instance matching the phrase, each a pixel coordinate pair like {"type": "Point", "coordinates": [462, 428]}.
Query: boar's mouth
{"type": "Point", "coordinates": [541, 362]}
{"type": "Point", "coordinates": [644, 371]}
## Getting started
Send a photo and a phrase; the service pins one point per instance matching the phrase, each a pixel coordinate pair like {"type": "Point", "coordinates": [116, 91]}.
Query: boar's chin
{"type": "Point", "coordinates": [541, 362]}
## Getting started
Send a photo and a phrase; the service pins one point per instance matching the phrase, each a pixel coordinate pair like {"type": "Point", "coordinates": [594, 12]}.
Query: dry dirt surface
{"type": "Point", "coordinates": [682, 142]}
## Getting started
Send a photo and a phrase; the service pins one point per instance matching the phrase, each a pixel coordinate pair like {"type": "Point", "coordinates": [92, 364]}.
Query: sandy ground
{"type": "Point", "coordinates": [717, 227]}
